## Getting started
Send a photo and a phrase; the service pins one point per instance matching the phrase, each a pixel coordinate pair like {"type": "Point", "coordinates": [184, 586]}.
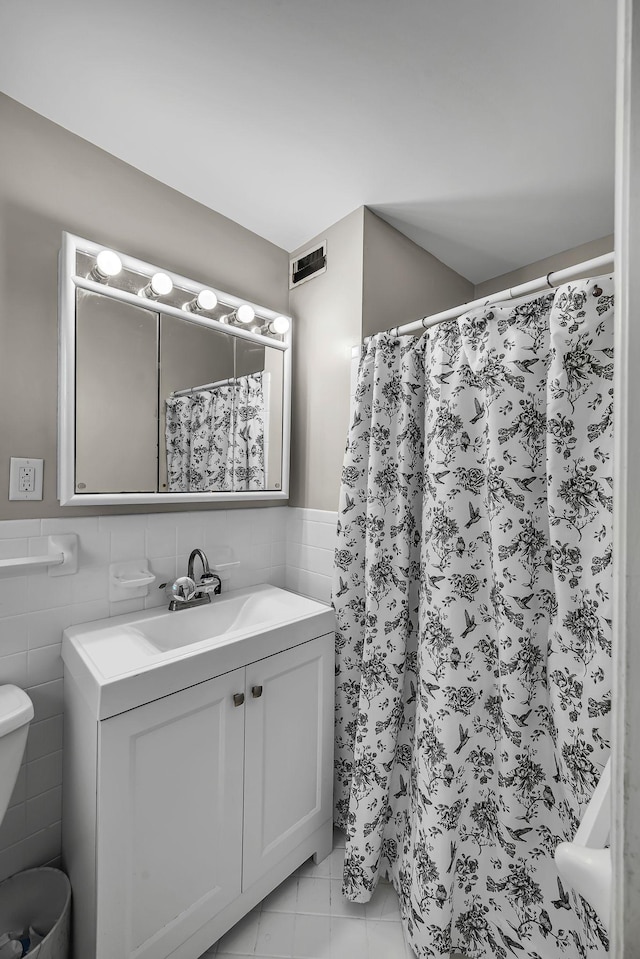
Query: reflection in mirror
{"type": "Point", "coordinates": [196, 413]}
{"type": "Point", "coordinates": [260, 378]}
{"type": "Point", "coordinates": [225, 433]}
{"type": "Point", "coordinates": [116, 396]}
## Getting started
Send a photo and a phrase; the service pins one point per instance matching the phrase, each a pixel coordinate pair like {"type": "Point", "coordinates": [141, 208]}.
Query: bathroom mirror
{"type": "Point", "coordinates": [160, 404]}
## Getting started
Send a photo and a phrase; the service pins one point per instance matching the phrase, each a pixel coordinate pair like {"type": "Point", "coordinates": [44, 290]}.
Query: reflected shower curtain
{"type": "Point", "coordinates": [215, 438]}
{"type": "Point", "coordinates": [177, 439]}
{"type": "Point", "coordinates": [473, 596]}
{"type": "Point", "coordinates": [199, 438]}
{"type": "Point", "coordinates": [211, 436]}
{"type": "Point", "coordinates": [249, 422]}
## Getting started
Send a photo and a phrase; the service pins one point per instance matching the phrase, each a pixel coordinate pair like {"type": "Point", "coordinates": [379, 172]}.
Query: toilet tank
{"type": "Point", "coordinates": [16, 712]}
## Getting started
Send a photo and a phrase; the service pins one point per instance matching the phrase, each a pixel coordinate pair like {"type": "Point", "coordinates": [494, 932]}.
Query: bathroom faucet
{"type": "Point", "coordinates": [186, 592]}
{"type": "Point", "coordinates": [203, 559]}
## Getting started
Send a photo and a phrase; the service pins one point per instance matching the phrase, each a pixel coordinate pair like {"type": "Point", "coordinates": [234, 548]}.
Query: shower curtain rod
{"type": "Point", "coordinates": [594, 267]}
{"type": "Point", "coordinates": [205, 386]}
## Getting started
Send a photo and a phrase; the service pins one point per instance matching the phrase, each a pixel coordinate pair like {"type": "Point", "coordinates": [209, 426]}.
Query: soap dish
{"type": "Point", "coordinates": [129, 580]}
{"type": "Point", "coordinates": [223, 562]}
{"type": "Point", "coordinates": [224, 570]}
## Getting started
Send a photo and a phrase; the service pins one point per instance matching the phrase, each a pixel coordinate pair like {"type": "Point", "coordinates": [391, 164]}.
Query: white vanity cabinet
{"type": "Point", "coordinates": [288, 731]}
{"type": "Point", "coordinates": [169, 824]}
{"type": "Point", "coordinates": [182, 813]}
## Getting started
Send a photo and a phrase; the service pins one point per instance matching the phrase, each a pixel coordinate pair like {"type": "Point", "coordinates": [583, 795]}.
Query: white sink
{"type": "Point", "coordinates": [122, 662]}
{"type": "Point", "coordinates": [243, 610]}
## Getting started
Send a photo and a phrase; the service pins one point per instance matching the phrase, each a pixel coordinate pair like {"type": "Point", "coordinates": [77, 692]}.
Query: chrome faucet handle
{"type": "Point", "coordinates": [183, 589]}
{"type": "Point", "coordinates": [210, 583]}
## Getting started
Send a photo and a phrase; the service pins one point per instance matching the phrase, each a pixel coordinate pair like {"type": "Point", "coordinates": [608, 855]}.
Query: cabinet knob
{"type": "Point", "coordinates": [238, 699]}
{"type": "Point", "coordinates": [256, 692]}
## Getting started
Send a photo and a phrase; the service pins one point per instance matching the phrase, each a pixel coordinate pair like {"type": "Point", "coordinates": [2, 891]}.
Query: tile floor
{"type": "Point", "coordinates": [308, 918]}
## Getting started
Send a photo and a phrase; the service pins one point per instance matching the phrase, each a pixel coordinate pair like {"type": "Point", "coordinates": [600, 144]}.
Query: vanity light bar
{"type": "Point", "coordinates": [234, 329]}
{"type": "Point", "coordinates": [245, 320]}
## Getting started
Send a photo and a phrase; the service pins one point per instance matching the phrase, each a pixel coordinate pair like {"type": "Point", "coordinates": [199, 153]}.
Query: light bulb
{"type": "Point", "coordinates": [242, 314]}
{"type": "Point", "coordinates": [245, 313]}
{"type": "Point", "coordinates": [107, 264]}
{"type": "Point", "coordinates": [280, 325]}
{"type": "Point", "coordinates": [159, 285]}
{"type": "Point", "coordinates": [204, 302]}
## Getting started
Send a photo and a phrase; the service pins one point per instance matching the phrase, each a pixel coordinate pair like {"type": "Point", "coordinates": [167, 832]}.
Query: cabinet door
{"type": "Point", "coordinates": [288, 752]}
{"type": "Point", "coordinates": [169, 818]}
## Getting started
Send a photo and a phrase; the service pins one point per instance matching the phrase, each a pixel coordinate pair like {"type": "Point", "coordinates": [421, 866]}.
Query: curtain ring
{"type": "Point", "coordinates": [549, 283]}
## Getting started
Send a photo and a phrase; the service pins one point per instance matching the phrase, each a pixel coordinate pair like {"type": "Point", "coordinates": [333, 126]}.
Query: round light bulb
{"type": "Point", "coordinates": [280, 325]}
{"type": "Point", "coordinates": [107, 264]}
{"type": "Point", "coordinates": [161, 284]}
{"type": "Point", "coordinates": [245, 313]}
{"type": "Point", "coordinates": [206, 300]}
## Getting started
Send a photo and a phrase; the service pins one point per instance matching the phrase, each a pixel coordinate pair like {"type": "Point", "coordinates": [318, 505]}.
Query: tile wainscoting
{"type": "Point", "coordinates": [281, 546]}
{"type": "Point", "coordinates": [311, 537]}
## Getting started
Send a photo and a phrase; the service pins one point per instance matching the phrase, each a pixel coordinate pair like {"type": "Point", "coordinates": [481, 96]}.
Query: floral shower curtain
{"type": "Point", "coordinates": [215, 438]}
{"type": "Point", "coordinates": [473, 597]}
{"type": "Point", "coordinates": [249, 433]}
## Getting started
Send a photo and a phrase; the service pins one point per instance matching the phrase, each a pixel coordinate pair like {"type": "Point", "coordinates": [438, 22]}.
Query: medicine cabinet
{"type": "Point", "coordinates": [169, 391]}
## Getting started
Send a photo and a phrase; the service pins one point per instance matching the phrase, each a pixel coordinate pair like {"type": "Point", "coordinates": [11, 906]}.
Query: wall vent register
{"type": "Point", "coordinates": [309, 264]}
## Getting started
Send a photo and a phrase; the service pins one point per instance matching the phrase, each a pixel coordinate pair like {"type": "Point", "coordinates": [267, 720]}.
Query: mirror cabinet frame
{"type": "Point", "coordinates": [68, 283]}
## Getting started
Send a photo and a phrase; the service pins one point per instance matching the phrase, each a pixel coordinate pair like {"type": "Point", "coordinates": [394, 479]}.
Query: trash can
{"type": "Point", "coordinates": [39, 899]}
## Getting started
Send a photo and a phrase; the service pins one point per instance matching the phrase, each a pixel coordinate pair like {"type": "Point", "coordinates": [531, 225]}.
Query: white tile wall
{"type": "Point", "coordinates": [310, 541]}
{"type": "Point", "coordinates": [35, 608]}
{"type": "Point", "coordinates": [281, 546]}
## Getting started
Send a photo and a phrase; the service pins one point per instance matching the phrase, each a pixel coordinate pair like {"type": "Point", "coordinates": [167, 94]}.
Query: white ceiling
{"type": "Point", "coordinates": [483, 129]}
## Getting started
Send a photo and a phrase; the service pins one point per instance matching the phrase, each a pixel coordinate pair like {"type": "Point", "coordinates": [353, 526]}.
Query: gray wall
{"type": "Point", "coordinates": [376, 278]}
{"type": "Point", "coordinates": [327, 313]}
{"type": "Point", "coordinates": [559, 261]}
{"type": "Point", "coordinates": [401, 281]}
{"type": "Point", "coordinates": [50, 181]}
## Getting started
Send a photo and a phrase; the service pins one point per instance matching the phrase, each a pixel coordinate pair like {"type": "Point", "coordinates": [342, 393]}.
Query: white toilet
{"type": "Point", "coordinates": [16, 712]}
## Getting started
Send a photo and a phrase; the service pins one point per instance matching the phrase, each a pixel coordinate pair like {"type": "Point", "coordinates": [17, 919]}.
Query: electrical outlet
{"type": "Point", "coordinates": [25, 478]}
